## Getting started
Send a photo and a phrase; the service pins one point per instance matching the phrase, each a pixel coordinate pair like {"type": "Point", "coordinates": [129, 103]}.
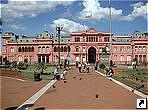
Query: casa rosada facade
{"type": "Point", "coordinates": [88, 46]}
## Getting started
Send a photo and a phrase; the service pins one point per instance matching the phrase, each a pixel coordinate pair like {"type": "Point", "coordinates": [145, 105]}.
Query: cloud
{"type": "Point", "coordinates": [21, 9]}
{"type": "Point", "coordinates": [17, 26]}
{"type": "Point", "coordinates": [93, 10]}
{"type": "Point", "coordinates": [139, 10]}
{"type": "Point", "coordinates": [68, 26]}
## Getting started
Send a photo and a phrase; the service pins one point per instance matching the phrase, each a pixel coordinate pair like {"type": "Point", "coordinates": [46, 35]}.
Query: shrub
{"type": "Point", "coordinates": [22, 65]}
{"type": "Point", "coordinates": [102, 66]}
{"type": "Point", "coordinates": [14, 64]}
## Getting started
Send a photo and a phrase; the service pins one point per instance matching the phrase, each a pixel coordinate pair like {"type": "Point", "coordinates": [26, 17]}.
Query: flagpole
{"type": "Point", "coordinates": [110, 30]}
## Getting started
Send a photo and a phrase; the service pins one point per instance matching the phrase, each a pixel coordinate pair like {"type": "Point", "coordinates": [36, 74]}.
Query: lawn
{"type": "Point", "coordinates": [136, 74]}
{"type": "Point", "coordinates": [29, 72]}
{"type": "Point", "coordinates": [129, 75]}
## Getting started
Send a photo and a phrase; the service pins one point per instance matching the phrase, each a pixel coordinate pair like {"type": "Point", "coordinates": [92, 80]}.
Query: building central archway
{"type": "Point", "coordinates": [91, 55]}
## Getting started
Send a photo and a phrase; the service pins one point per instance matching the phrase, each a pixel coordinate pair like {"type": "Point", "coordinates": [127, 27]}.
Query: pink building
{"type": "Point", "coordinates": [88, 46]}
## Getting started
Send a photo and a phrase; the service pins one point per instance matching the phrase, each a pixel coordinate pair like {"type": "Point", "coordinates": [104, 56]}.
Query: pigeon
{"type": "Point", "coordinates": [74, 77]}
{"type": "Point", "coordinates": [53, 86]}
{"type": "Point", "coordinates": [65, 81]}
{"type": "Point", "coordinates": [96, 95]}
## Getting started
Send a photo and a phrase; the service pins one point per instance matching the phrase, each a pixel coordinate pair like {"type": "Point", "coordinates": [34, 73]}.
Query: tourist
{"type": "Point", "coordinates": [87, 67]}
{"type": "Point", "coordinates": [76, 64]}
{"type": "Point", "coordinates": [96, 65]}
{"type": "Point", "coordinates": [79, 65]}
{"type": "Point", "coordinates": [83, 67]}
{"type": "Point", "coordinates": [56, 74]}
{"type": "Point", "coordinates": [109, 73]}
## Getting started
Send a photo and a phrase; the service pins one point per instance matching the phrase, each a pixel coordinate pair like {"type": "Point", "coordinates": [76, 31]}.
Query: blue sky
{"type": "Point", "coordinates": [33, 17]}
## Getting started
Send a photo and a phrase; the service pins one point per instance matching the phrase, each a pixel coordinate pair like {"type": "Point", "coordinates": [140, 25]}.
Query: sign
{"type": "Point", "coordinates": [142, 103]}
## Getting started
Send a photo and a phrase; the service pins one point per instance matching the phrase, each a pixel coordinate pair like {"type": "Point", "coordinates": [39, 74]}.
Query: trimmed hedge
{"type": "Point", "coordinates": [102, 66]}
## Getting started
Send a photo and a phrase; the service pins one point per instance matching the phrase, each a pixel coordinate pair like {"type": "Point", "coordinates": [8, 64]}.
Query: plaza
{"type": "Point", "coordinates": [74, 94]}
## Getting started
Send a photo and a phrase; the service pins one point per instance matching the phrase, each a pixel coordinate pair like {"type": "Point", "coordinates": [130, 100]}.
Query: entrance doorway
{"type": "Point", "coordinates": [91, 55]}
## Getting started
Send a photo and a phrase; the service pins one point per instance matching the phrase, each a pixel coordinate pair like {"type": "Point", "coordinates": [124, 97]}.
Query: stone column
{"type": "Point", "coordinates": [45, 59]}
{"type": "Point", "coordinates": [41, 59]}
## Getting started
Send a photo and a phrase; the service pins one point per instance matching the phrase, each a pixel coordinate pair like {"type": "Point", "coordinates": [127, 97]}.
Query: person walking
{"type": "Point", "coordinates": [76, 64]}
{"type": "Point", "coordinates": [79, 66]}
{"type": "Point", "coordinates": [87, 67]}
{"type": "Point", "coordinates": [96, 65]}
{"type": "Point", "coordinates": [56, 74]}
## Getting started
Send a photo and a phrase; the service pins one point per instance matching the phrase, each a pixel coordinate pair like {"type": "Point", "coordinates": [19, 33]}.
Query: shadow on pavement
{"type": "Point", "coordinates": [25, 106]}
{"type": "Point", "coordinates": [11, 108]}
{"type": "Point", "coordinates": [40, 108]}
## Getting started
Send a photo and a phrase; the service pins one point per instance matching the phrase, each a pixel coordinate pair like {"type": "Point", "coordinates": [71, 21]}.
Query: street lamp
{"type": "Point", "coordinates": [59, 29]}
{"type": "Point", "coordinates": [52, 46]}
{"type": "Point", "coordinates": [132, 44]}
{"type": "Point", "coordinates": [110, 29]}
{"type": "Point", "coordinates": [68, 55]}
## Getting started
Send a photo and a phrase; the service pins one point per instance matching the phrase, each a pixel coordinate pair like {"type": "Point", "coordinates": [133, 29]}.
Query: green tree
{"type": "Point", "coordinates": [41, 67]}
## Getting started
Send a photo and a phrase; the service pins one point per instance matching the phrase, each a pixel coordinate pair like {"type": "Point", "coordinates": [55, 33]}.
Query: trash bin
{"type": "Point", "coordinates": [37, 77]}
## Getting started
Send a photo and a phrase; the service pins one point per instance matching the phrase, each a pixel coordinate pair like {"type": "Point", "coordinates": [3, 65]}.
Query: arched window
{"type": "Point", "coordinates": [39, 49]}
{"type": "Point", "coordinates": [65, 49]}
{"type": "Point", "coordinates": [140, 48]}
{"type": "Point", "coordinates": [47, 49]}
{"type": "Point", "coordinates": [32, 49]}
{"type": "Point", "coordinates": [43, 49]}
{"type": "Point", "coordinates": [19, 49]}
{"type": "Point", "coordinates": [26, 49]}
{"type": "Point", "coordinates": [144, 48]}
{"type": "Point", "coordinates": [29, 49]}
{"type": "Point", "coordinates": [11, 49]}
{"type": "Point", "coordinates": [136, 48]}
{"type": "Point", "coordinates": [128, 48]}
{"type": "Point", "coordinates": [23, 49]}
{"type": "Point", "coordinates": [121, 48]}
{"type": "Point", "coordinates": [77, 48]}
{"type": "Point", "coordinates": [20, 58]}
{"type": "Point", "coordinates": [62, 49]}
{"type": "Point", "coordinates": [68, 48]}
{"type": "Point", "coordinates": [55, 49]}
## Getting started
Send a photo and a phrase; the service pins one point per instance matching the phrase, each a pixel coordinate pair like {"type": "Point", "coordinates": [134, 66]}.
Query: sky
{"type": "Point", "coordinates": [33, 17]}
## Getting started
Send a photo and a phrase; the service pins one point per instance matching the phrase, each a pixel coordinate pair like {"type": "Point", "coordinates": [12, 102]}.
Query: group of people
{"type": "Point", "coordinates": [65, 64]}
{"type": "Point", "coordinates": [58, 75]}
{"type": "Point", "coordinates": [83, 67]}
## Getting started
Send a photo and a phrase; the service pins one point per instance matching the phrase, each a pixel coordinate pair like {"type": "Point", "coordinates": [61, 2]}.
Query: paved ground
{"type": "Point", "coordinates": [14, 92]}
{"type": "Point", "coordinates": [79, 92]}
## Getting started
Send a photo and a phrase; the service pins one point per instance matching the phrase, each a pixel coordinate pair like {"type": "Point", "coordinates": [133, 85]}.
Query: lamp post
{"type": "Point", "coordinates": [52, 46]}
{"type": "Point", "coordinates": [59, 29]}
{"type": "Point", "coordinates": [132, 44]}
{"type": "Point", "coordinates": [110, 30]}
{"type": "Point", "coordinates": [1, 39]}
{"type": "Point", "coordinates": [68, 55]}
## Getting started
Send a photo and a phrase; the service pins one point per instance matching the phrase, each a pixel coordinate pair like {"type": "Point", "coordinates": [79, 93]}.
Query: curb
{"type": "Point", "coordinates": [125, 86]}
{"type": "Point", "coordinates": [29, 102]}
